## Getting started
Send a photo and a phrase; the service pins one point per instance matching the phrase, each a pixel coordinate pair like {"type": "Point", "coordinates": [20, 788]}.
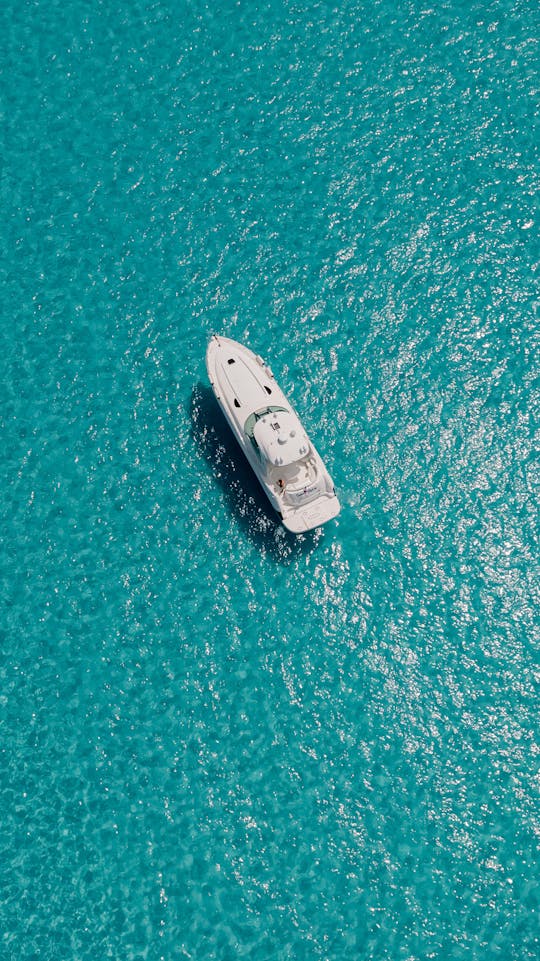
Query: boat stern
{"type": "Point", "coordinates": [312, 515]}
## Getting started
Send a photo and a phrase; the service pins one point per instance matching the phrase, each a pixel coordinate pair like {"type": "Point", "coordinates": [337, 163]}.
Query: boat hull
{"type": "Point", "coordinates": [297, 484]}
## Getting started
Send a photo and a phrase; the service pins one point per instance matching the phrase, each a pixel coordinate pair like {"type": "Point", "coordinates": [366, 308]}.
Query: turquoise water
{"type": "Point", "coordinates": [218, 741]}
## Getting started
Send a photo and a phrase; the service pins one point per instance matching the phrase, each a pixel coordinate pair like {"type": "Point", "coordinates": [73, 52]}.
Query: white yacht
{"type": "Point", "coordinates": [269, 432]}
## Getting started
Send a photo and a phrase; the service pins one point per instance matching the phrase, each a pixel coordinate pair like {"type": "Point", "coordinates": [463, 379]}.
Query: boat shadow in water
{"type": "Point", "coordinates": [246, 500]}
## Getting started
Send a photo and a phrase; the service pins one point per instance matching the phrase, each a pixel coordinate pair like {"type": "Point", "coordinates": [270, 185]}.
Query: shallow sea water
{"type": "Point", "coordinates": [218, 741]}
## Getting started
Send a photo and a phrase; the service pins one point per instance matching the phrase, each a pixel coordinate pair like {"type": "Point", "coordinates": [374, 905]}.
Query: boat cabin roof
{"type": "Point", "coordinates": [279, 436]}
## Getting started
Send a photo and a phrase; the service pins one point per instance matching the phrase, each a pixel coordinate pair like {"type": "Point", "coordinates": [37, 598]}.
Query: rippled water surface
{"type": "Point", "coordinates": [218, 741]}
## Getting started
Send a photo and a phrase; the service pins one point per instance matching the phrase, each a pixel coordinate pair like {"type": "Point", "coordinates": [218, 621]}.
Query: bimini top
{"type": "Point", "coordinates": [279, 436]}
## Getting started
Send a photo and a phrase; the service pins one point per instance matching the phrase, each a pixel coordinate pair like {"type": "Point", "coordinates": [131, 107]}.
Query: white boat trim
{"type": "Point", "coordinates": [270, 433]}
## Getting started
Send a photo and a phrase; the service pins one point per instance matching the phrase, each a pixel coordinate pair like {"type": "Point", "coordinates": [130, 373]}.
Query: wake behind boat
{"type": "Point", "coordinates": [271, 435]}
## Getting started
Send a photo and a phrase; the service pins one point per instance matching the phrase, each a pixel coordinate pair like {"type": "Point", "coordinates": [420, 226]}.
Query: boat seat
{"type": "Point", "coordinates": [295, 477]}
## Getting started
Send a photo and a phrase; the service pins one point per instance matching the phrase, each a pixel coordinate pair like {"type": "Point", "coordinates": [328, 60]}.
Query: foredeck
{"type": "Point", "coordinates": [248, 391]}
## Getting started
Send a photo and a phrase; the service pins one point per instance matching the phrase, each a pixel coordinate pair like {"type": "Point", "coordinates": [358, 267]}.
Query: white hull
{"type": "Point", "coordinates": [269, 432]}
